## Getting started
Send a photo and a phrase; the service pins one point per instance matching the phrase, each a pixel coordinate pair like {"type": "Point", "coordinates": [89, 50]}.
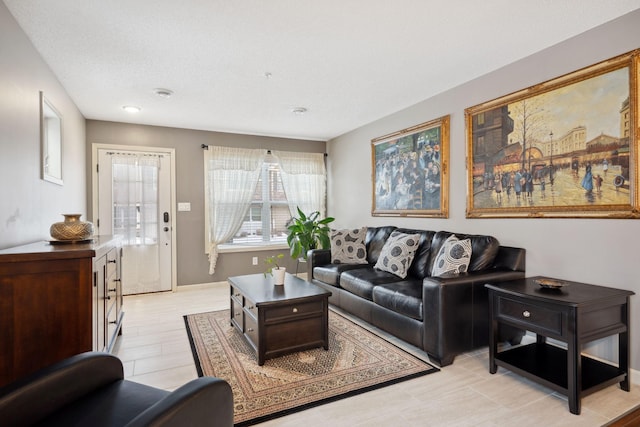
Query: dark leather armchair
{"type": "Point", "coordinates": [89, 389]}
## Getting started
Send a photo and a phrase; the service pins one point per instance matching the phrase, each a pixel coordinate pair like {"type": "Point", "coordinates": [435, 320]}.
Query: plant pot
{"type": "Point", "coordinates": [72, 228]}
{"type": "Point", "coordinates": [278, 275]}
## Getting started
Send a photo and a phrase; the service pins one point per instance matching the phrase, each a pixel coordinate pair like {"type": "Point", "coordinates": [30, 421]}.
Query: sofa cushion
{"type": "Point", "coordinates": [330, 273]}
{"type": "Point", "coordinates": [347, 246]}
{"type": "Point", "coordinates": [397, 254]}
{"type": "Point", "coordinates": [361, 281]}
{"type": "Point", "coordinates": [420, 266]}
{"type": "Point", "coordinates": [375, 240]}
{"type": "Point", "coordinates": [483, 249]}
{"type": "Point", "coordinates": [403, 297]}
{"type": "Point", "coordinates": [453, 258]}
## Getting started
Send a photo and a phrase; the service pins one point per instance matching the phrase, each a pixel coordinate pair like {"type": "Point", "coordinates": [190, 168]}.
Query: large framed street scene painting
{"type": "Point", "coordinates": [410, 171]}
{"type": "Point", "coordinates": [564, 148]}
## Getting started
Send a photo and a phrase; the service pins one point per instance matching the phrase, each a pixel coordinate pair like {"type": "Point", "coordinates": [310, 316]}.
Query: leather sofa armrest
{"type": "Point", "coordinates": [32, 398]}
{"type": "Point", "coordinates": [315, 258]}
{"type": "Point", "coordinates": [509, 258]}
{"type": "Point", "coordinates": [203, 401]}
{"type": "Point", "coordinates": [455, 311]}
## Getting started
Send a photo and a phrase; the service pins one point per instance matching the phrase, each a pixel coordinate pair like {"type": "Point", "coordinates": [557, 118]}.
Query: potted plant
{"type": "Point", "coordinates": [274, 269]}
{"type": "Point", "coordinates": [307, 232]}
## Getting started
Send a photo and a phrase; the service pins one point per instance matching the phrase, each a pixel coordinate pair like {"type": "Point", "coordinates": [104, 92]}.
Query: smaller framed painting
{"type": "Point", "coordinates": [410, 171]}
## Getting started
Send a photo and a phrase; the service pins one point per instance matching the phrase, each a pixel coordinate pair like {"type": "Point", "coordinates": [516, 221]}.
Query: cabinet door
{"type": "Point", "coordinates": [100, 272]}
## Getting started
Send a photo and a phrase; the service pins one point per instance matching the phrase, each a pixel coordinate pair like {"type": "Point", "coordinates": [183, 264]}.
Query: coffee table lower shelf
{"type": "Point", "coordinates": [547, 365]}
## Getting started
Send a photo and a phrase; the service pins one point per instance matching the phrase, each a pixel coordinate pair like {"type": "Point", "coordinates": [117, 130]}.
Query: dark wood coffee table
{"type": "Point", "coordinates": [277, 320]}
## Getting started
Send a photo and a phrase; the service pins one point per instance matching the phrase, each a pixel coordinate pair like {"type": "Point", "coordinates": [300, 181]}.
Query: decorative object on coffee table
{"type": "Point", "coordinates": [357, 361]}
{"type": "Point", "coordinates": [274, 270]}
{"type": "Point", "coordinates": [71, 228]}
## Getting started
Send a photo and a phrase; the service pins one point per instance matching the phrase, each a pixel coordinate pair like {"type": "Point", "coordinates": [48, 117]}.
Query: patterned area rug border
{"type": "Point", "coordinates": [231, 353]}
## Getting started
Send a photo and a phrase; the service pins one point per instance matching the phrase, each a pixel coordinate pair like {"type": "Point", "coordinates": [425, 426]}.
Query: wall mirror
{"type": "Point", "coordinates": [51, 141]}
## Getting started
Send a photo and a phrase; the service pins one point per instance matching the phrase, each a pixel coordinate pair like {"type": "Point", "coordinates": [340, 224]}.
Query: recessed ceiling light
{"type": "Point", "coordinates": [131, 109]}
{"type": "Point", "coordinates": [163, 93]}
{"type": "Point", "coordinates": [298, 110]}
{"type": "Point", "coordinates": [267, 75]}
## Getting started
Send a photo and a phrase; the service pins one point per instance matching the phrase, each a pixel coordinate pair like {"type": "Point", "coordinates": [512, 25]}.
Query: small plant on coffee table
{"type": "Point", "coordinates": [271, 263]}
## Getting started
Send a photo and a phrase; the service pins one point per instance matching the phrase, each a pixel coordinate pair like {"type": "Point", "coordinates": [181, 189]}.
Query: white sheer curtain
{"type": "Point", "coordinates": [231, 178]}
{"type": "Point", "coordinates": [304, 179]}
{"type": "Point", "coordinates": [135, 198]}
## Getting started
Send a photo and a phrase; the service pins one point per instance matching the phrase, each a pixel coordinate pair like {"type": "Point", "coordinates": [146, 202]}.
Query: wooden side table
{"type": "Point", "coordinates": [575, 314]}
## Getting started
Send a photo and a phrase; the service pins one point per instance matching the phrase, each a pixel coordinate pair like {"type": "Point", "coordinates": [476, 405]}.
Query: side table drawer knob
{"type": "Point", "coordinates": [295, 310]}
{"type": "Point", "coordinates": [526, 313]}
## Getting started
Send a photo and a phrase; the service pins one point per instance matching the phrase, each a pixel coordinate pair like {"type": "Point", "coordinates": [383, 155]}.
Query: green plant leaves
{"type": "Point", "coordinates": [307, 232]}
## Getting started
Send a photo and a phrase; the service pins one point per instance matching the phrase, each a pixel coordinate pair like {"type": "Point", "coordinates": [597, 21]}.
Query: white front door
{"type": "Point", "coordinates": [134, 202]}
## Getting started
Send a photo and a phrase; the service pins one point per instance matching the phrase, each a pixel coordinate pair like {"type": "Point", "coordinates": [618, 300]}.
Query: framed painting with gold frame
{"type": "Point", "coordinates": [410, 171]}
{"type": "Point", "coordinates": [564, 148]}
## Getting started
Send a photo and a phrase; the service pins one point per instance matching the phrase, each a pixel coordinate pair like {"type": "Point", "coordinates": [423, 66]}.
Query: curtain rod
{"type": "Point", "coordinates": [206, 147]}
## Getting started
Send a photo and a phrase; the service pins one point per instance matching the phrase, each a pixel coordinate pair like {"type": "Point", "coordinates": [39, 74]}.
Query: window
{"type": "Point", "coordinates": [250, 194]}
{"type": "Point", "coordinates": [268, 216]}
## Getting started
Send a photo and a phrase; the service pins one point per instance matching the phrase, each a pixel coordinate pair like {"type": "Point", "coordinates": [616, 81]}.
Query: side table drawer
{"type": "Point", "coordinates": [531, 316]}
{"type": "Point", "coordinates": [293, 310]}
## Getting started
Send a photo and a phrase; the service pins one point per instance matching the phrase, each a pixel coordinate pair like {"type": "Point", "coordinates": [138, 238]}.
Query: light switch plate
{"type": "Point", "coordinates": [184, 206]}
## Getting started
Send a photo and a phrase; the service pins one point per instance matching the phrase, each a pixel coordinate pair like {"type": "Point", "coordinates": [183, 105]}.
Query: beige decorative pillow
{"type": "Point", "coordinates": [397, 253]}
{"type": "Point", "coordinates": [453, 258]}
{"type": "Point", "coordinates": [347, 246]}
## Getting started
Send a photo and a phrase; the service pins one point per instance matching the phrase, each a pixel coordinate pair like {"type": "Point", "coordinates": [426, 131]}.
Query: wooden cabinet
{"type": "Point", "coordinates": [57, 301]}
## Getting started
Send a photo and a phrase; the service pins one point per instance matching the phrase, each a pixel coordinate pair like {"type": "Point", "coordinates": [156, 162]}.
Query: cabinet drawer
{"type": "Point", "coordinates": [236, 295]}
{"type": "Point", "coordinates": [531, 316]}
{"type": "Point", "coordinates": [112, 318]}
{"type": "Point", "coordinates": [236, 315]}
{"type": "Point", "coordinates": [293, 310]}
{"type": "Point", "coordinates": [112, 263]}
{"type": "Point", "coordinates": [251, 330]}
{"type": "Point", "coordinates": [251, 307]}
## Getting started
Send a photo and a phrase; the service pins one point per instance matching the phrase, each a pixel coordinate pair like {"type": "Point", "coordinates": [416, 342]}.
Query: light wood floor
{"type": "Point", "coordinates": [155, 351]}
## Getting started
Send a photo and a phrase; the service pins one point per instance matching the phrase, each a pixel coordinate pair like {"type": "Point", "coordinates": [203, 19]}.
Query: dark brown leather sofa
{"type": "Point", "coordinates": [89, 389]}
{"type": "Point", "coordinates": [444, 316]}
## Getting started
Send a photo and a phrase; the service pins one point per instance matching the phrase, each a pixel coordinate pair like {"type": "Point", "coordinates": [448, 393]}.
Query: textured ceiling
{"type": "Point", "coordinates": [349, 62]}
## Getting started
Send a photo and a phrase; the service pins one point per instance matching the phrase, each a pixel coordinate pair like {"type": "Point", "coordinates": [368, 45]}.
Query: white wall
{"type": "Point", "coordinates": [29, 205]}
{"type": "Point", "coordinates": [598, 251]}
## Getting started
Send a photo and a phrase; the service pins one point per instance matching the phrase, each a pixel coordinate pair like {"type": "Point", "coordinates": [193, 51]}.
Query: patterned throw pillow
{"type": "Point", "coordinates": [347, 246]}
{"type": "Point", "coordinates": [453, 258]}
{"type": "Point", "coordinates": [397, 253]}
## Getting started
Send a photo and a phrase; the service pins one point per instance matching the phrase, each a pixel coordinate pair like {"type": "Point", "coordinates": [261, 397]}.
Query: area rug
{"type": "Point", "coordinates": [357, 361]}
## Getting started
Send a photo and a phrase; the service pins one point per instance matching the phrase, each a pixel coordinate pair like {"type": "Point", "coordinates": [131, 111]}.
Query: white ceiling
{"type": "Point", "coordinates": [349, 62]}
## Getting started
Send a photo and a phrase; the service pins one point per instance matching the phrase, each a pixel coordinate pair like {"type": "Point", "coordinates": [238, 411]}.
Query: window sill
{"type": "Point", "coordinates": [225, 249]}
